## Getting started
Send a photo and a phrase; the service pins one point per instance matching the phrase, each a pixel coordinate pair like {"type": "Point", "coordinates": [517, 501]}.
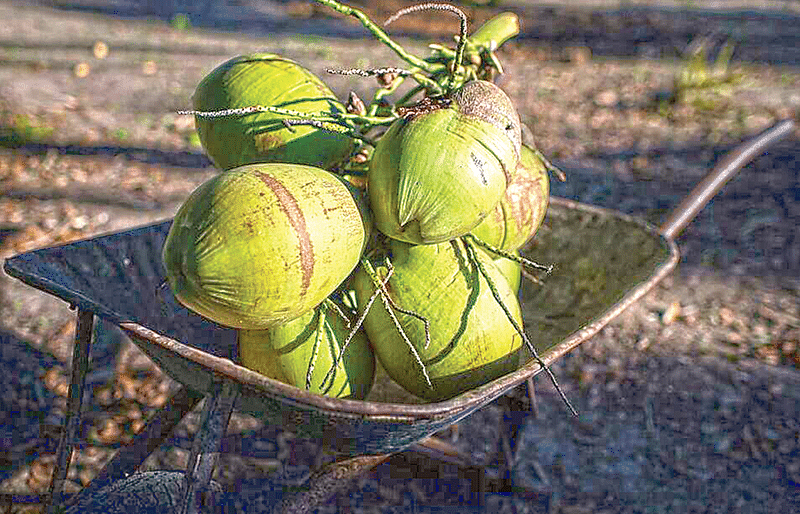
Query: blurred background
{"type": "Point", "coordinates": [688, 401]}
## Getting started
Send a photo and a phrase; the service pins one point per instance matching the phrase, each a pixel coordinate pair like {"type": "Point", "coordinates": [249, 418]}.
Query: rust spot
{"type": "Point", "coordinates": [288, 204]}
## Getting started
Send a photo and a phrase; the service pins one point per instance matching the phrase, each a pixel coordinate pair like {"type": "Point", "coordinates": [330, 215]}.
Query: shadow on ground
{"type": "Point", "coordinates": [28, 412]}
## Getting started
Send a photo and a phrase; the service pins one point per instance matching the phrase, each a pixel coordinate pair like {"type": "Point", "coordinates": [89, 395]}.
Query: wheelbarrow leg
{"type": "Point", "coordinates": [128, 459]}
{"type": "Point", "coordinates": [80, 366]}
{"type": "Point", "coordinates": [205, 448]}
{"type": "Point", "coordinates": [327, 481]}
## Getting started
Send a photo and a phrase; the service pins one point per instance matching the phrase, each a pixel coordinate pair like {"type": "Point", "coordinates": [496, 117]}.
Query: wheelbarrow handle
{"type": "Point", "coordinates": [719, 176]}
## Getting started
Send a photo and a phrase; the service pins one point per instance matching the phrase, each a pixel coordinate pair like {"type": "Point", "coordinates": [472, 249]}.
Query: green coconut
{"type": "Point", "coordinates": [260, 245]}
{"type": "Point", "coordinates": [519, 214]}
{"type": "Point", "coordinates": [472, 340]}
{"type": "Point", "coordinates": [441, 169]}
{"type": "Point", "coordinates": [274, 81]}
{"type": "Point", "coordinates": [312, 342]}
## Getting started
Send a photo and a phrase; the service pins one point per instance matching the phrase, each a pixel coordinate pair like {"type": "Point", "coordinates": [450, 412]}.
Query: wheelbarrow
{"type": "Point", "coordinates": [605, 261]}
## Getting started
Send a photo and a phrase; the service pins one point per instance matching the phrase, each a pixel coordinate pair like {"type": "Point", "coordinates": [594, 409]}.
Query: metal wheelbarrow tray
{"type": "Point", "coordinates": [604, 261]}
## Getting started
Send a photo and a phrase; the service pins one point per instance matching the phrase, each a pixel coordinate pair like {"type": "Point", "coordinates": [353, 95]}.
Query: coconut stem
{"type": "Point", "coordinates": [322, 126]}
{"type": "Point", "coordinates": [342, 119]}
{"type": "Point", "coordinates": [338, 310]}
{"type": "Point", "coordinates": [495, 293]}
{"type": "Point", "coordinates": [383, 92]}
{"type": "Point", "coordinates": [340, 123]}
{"type": "Point", "coordinates": [408, 96]}
{"type": "Point", "coordinates": [390, 307]}
{"type": "Point", "coordinates": [378, 32]}
{"type": "Point", "coordinates": [354, 328]}
{"type": "Point", "coordinates": [455, 64]}
{"type": "Point", "coordinates": [338, 354]}
{"type": "Point", "coordinates": [368, 72]}
{"type": "Point", "coordinates": [552, 168]}
{"type": "Point", "coordinates": [474, 277]}
{"type": "Point", "coordinates": [430, 84]}
{"type": "Point", "coordinates": [527, 263]}
{"type": "Point", "coordinates": [407, 312]}
{"type": "Point", "coordinates": [318, 335]}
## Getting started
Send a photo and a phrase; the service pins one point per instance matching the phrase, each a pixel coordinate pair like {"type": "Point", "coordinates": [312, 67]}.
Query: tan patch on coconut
{"type": "Point", "coordinates": [267, 141]}
{"type": "Point", "coordinates": [485, 101]}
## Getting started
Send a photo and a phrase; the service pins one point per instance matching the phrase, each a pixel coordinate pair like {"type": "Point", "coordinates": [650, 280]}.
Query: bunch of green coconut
{"type": "Point", "coordinates": [336, 233]}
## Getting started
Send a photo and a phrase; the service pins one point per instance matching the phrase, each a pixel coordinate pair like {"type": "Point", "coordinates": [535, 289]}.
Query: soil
{"type": "Point", "coordinates": [688, 401]}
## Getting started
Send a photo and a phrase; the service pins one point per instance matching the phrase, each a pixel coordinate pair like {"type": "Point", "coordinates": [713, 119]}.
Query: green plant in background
{"type": "Point", "coordinates": [699, 72]}
{"type": "Point", "coordinates": [180, 22]}
{"type": "Point", "coordinates": [122, 135]}
{"type": "Point", "coordinates": [700, 82]}
{"type": "Point", "coordinates": [21, 129]}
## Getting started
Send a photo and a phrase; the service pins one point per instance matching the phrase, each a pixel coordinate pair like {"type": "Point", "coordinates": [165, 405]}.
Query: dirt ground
{"type": "Point", "coordinates": [689, 401]}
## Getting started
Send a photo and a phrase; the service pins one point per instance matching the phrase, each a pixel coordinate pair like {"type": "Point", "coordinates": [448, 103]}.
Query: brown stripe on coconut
{"type": "Point", "coordinates": [288, 205]}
